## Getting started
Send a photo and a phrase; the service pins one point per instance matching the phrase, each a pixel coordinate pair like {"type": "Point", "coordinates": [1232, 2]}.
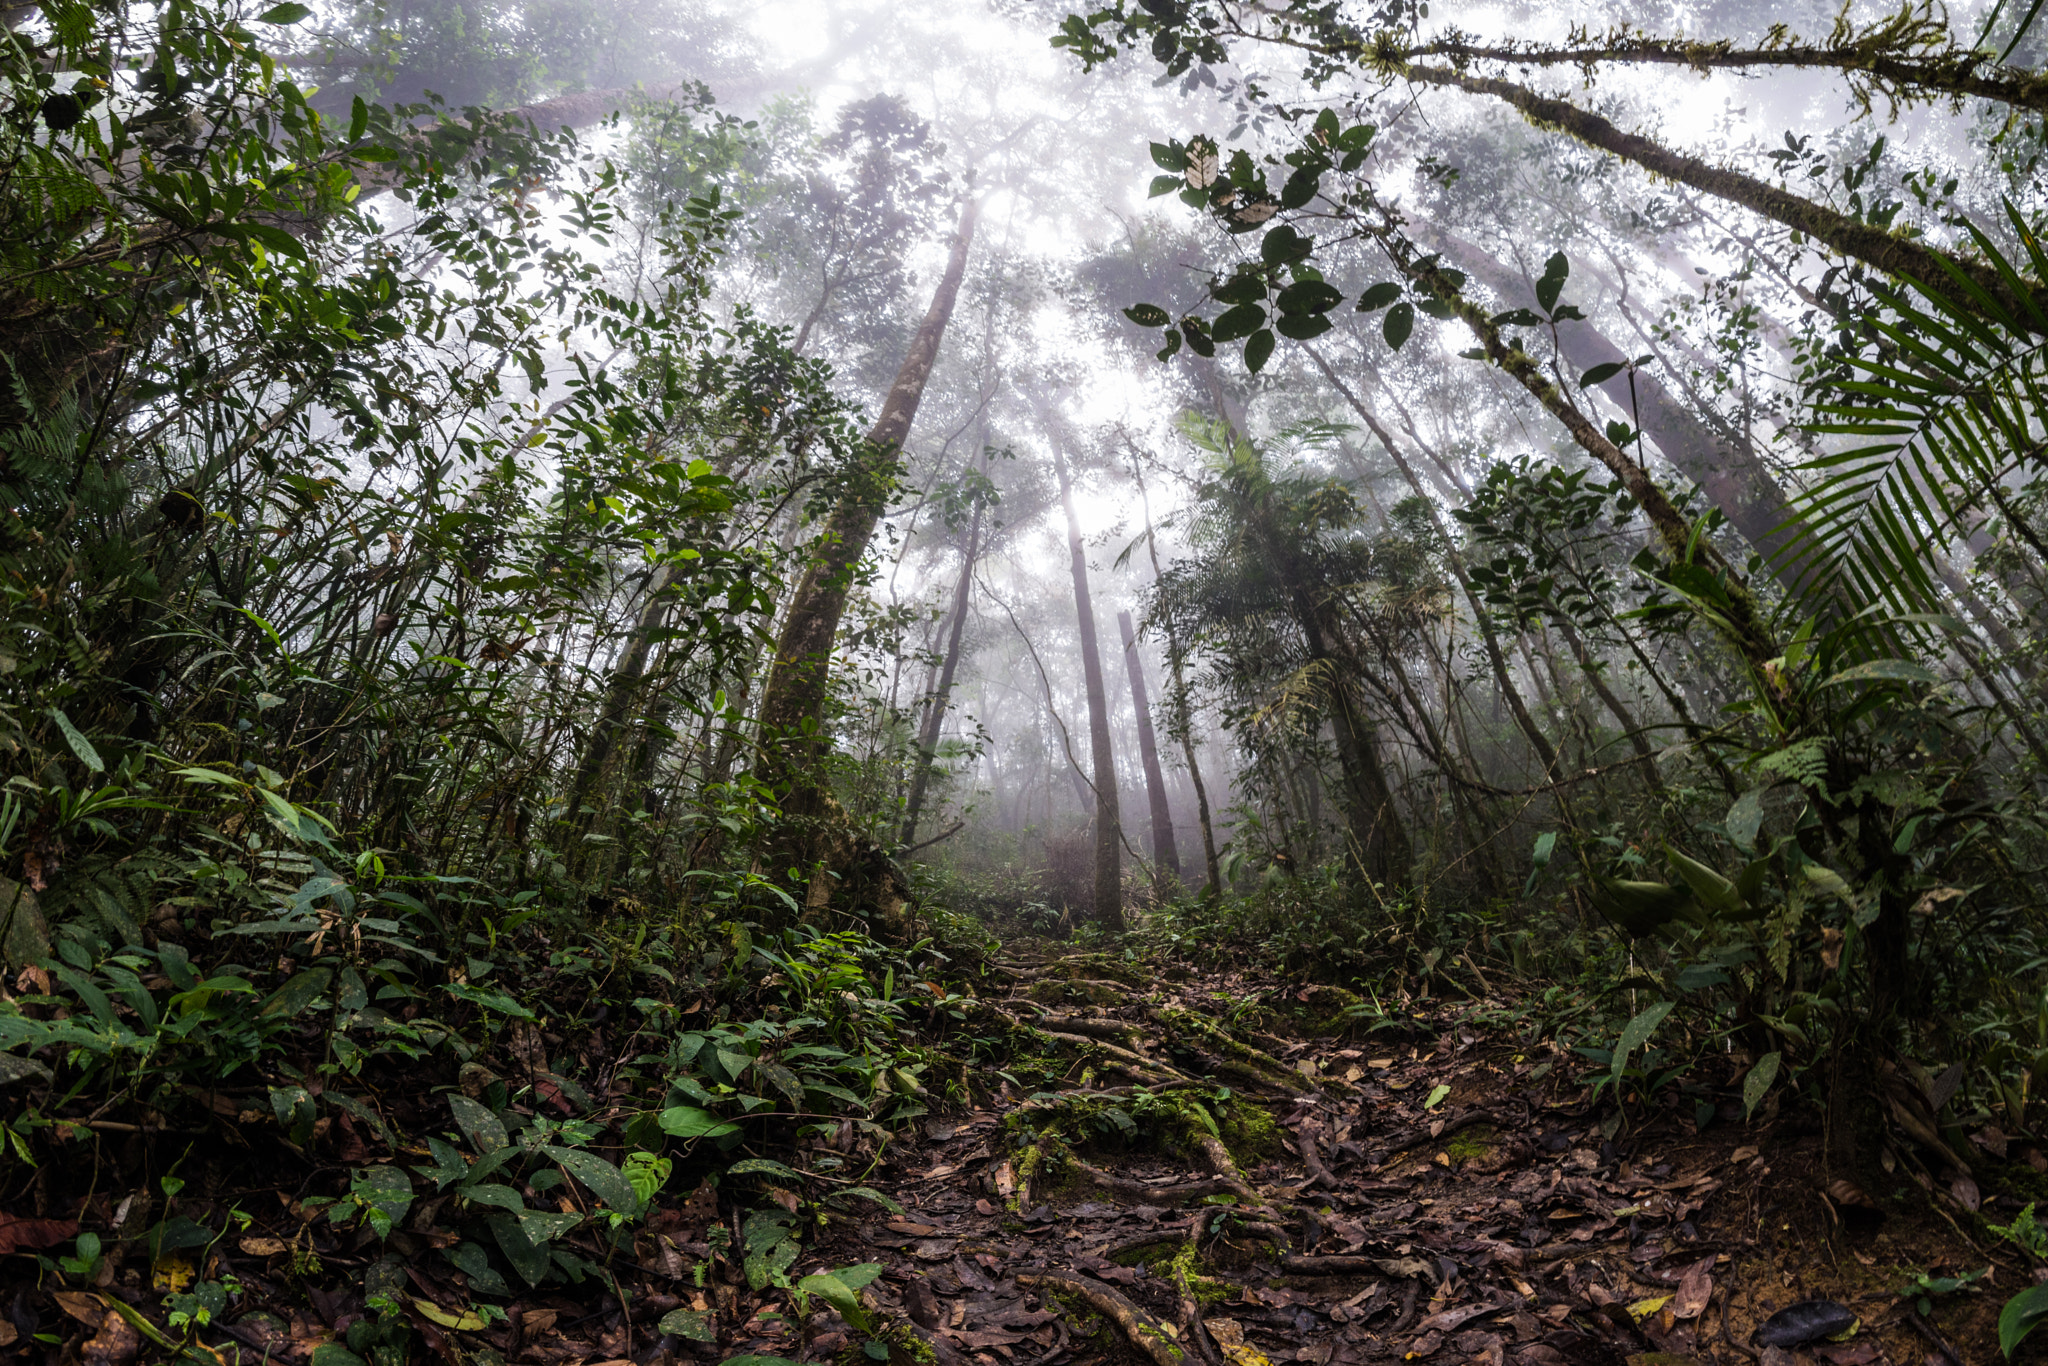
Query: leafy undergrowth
{"type": "Point", "coordinates": [816, 1147]}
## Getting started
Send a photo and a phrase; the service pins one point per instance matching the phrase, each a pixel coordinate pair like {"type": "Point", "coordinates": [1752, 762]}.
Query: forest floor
{"type": "Point", "coordinates": [1233, 1172]}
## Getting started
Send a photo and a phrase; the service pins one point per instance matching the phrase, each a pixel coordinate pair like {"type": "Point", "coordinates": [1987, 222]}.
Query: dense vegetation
{"type": "Point", "coordinates": [539, 636]}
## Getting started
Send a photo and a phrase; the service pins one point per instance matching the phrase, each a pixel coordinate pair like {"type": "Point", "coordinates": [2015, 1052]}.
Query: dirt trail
{"type": "Point", "coordinates": [1166, 1166]}
{"type": "Point", "coordinates": [1421, 1192]}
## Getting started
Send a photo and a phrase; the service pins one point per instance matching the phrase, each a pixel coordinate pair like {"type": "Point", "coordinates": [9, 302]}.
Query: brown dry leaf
{"type": "Point", "coordinates": [8, 1332]}
{"type": "Point", "coordinates": [1005, 1178]}
{"type": "Point", "coordinates": [116, 1343]}
{"type": "Point", "coordinates": [264, 1247]}
{"type": "Point", "coordinates": [87, 1309]}
{"type": "Point", "coordinates": [1965, 1192]}
{"type": "Point", "coordinates": [1695, 1289]}
{"type": "Point", "coordinates": [702, 1206]}
{"type": "Point", "coordinates": [1742, 1154]}
{"type": "Point", "coordinates": [1831, 940]}
{"type": "Point", "coordinates": [33, 1235]}
{"type": "Point", "coordinates": [1847, 1193]}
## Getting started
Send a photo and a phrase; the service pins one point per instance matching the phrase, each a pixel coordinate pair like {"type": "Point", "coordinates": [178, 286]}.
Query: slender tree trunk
{"type": "Point", "coordinates": [1109, 894]}
{"type": "Point", "coordinates": [793, 744]}
{"type": "Point", "coordinates": [1165, 855]}
{"type": "Point", "coordinates": [1893, 254]}
{"type": "Point", "coordinates": [619, 696]}
{"type": "Point", "coordinates": [1180, 713]}
{"type": "Point", "coordinates": [935, 714]}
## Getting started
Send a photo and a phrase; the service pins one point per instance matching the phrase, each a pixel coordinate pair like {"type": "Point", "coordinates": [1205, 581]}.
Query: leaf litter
{"type": "Point", "coordinates": [1192, 1189]}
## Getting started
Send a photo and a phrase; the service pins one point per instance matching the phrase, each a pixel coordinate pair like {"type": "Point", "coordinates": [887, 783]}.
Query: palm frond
{"type": "Point", "coordinates": [1955, 402]}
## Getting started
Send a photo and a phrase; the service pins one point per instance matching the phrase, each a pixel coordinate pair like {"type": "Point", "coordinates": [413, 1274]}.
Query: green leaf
{"type": "Point", "coordinates": [1758, 1081]}
{"type": "Point", "coordinates": [287, 13]}
{"type": "Point", "coordinates": [763, 1166]}
{"type": "Point", "coordinates": [1635, 1034]}
{"type": "Point", "coordinates": [1378, 296]}
{"type": "Point", "coordinates": [605, 1181]}
{"type": "Point", "coordinates": [687, 1121]}
{"type": "Point", "coordinates": [1436, 1096]}
{"type": "Point", "coordinates": [1555, 271]}
{"type": "Point", "coordinates": [334, 1354]}
{"type": "Point", "coordinates": [1238, 322]}
{"type": "Point", "coordinates": [1400, 322]}
{"type": "Point", "coordinates": [1163, 184]}
{"type": "Point", "coordinates": [483, 1129]}
{"type": "Point", "coordinates": [833, 1291]}
{"type": "Point", "coordinates": [2022, 1314]}
{"type": "Point", "coordinates": [1309, 296]}
{"type": "Point", "coordinates": [1884, 670]}
{"type": "Point", "coordinates": [867, 1193]}
{"type": "Point", "coordinates": [1148, 315]}
{"type": "Point", "coordinates": [304, 988]}
{"type": "Point", "coordinates": [1258, 350]}
{"type": "Point", "coordinates": [1746, 817]}
{"type": "Point", "coordinates": [1302, 326]}
{"type": "Point", "coordinates": [80, 746]}
{"type": "Point", "coordinates": [1600, 374]}
{"type": "Point", "coordinates": [1169, 158]}
{"type": "Point", "coordinates": [688, 1324]}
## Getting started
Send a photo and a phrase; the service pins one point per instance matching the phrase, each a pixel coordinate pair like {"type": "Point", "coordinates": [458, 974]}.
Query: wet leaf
{"type": "Point", "coordinates": [1807, 1321]}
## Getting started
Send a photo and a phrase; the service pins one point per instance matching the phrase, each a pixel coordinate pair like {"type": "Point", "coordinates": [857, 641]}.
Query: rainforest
{"type": "Point", "coordinates": [1187, 683]}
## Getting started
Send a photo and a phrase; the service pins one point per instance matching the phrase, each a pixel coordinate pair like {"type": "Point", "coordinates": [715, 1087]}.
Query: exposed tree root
{"type": "Point", "coordinates": [1147, 1336]}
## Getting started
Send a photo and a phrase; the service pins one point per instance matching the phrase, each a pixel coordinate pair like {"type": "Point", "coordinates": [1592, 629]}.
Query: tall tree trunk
{"type": "Point", "coordinates": [1165, 855]}
{"type": "Point", "coordinates": [935, 714]}
{"type": "Point", "coordinates": [1109, 892]}
{"type": "Point", "coordinates": [1887, 251]}
{"type": "Point", "coordinates": [792, 739]}
{"type": "Point", "coordinates": [1734, 478]}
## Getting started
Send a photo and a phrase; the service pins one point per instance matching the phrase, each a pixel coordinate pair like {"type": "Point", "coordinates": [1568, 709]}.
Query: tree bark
{"type": "Point", "coordinates": [1734, 479]}
{"type": "Point", "coordinates": [1109, 896]}
{"type": "Point", "coordinates": [1894, 255]}
{"type": "Point", "coordinates": [1165, 855]}
{"type": "Point", "coordinates": [935, 715]}
{"type": "Point", "coordinates": [792, 739]}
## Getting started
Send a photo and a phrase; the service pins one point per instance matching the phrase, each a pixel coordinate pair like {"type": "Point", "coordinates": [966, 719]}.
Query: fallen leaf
{"type": "Point", "coordinates": [264, 1247]}
{"type": "Point", "coordinates": [116, 1343]}
{"type": "Point", "coordinates": [1642, 1309]}
{"type": "Point", "coordinates": [1005, 1178]}
{"type": "Point", "coordinates": [33, 1235]}
{"type": "Point", "coordinates": [1742, 1154]}
{"type": "Point", "coordinates": [1807, 1321]}
{"type": "Point", "coordinates": [1695, 1289]}
{"type": "Point", "coordinates": [1966, 1194]}
{"type": "Point", "coordinates": [465, 1322]}
{"type": "Point", "coordinates": [87, 1309]}
{"type": "Point", "coordinates": [172, 1273]}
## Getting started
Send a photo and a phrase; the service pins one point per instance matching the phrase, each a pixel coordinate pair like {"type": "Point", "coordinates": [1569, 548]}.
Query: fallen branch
{"type": "Point", "coordinates": [1147, 1336]}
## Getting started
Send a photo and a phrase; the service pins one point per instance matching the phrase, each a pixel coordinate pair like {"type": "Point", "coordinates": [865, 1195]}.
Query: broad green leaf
{"type": "Point", "coordinates": [75, 738]}
{"type": "Point", "coordinates": [688, 1324]}
{"type": "Point", "coordinates": [762, 1166]}
{"type": "Point", "coordinates": [1258, 350]}
{"type": "Point", "coordinates": [1378, 296]}
{"type": "Point", "coordinates": [1437, 1095]}
{"type": "Point", "coordinates": [287, 13]}
{"type": "Point", "coordinates": [605, 1181]}
{"type": "Point", "coordinates": [1884, 670]}
{"type": "Point", "coordinates": [2022, 1314]}
{"type": "Point", "coordinates": [304, 988]}
{"type": "Point", "coordinates": [1400, 322]}
{"type": "Point", "coordinates": [1635, 1034]}
{"type": "Point", "coordinates": [485, 1132]}
{"type": "Point", "coordinates": [1746, 817]}
{"type": "Point", "coordinates": [1601, 373]}
{"type": "Point", "coordinates": [687, 1121]}
{"type": "Point", "coordinates": [1148, 315]}
{"type": "Point", "coordinates": [1758, 1080]}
